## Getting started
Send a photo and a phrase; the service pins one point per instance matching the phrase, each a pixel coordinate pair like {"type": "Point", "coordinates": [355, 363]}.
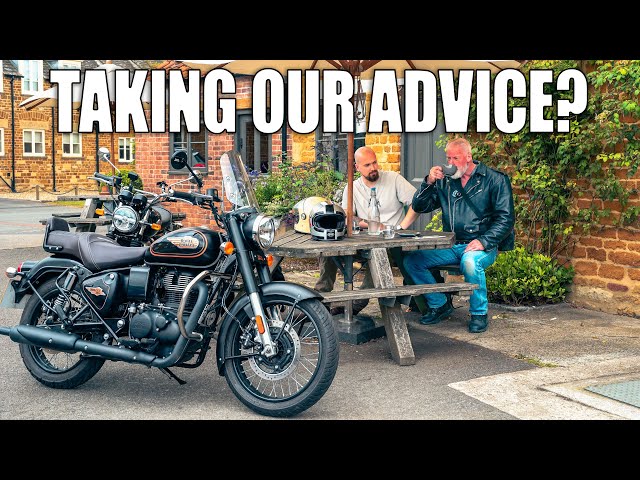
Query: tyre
{"type": "Point", "coordinates": [54, 368]}
{"type": "Point", "coordinates": [299, 374]}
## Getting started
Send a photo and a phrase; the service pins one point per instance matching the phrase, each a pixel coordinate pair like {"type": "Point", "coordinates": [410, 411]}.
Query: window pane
{"type": "Point", "coordinates": [76, 149]}
{"type": "Point", "coordinates": [38, 137]}
{"type": "Point", "coordinates": [39, 148]}
{"type": "Point", "coordinates": [66, 148]}
{"type": "Point", "coordinates": [28, 138]}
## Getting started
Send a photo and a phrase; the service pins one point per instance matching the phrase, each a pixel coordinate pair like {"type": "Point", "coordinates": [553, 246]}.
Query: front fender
{"type": "Point", "coordinates": [272, 291]}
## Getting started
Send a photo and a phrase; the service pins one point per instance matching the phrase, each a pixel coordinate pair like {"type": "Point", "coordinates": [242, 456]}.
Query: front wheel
{"type": "Point", "coordinates": [302, 370]}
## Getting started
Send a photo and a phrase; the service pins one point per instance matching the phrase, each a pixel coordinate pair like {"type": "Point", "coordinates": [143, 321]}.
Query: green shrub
{"type": "Point", "coordinates": [123, 173]}
{"type": "Point", "coordinates": [521, 278]}
{"type": "Point", "coordinates": [280, 190]}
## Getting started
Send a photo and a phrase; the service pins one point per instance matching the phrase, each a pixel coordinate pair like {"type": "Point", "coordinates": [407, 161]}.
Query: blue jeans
{"type": "Point", "coordinates": [472, 265]}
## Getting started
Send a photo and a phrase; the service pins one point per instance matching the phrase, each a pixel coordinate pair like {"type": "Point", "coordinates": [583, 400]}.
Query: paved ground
{"type": "Point", "coordinates": [534, 364]}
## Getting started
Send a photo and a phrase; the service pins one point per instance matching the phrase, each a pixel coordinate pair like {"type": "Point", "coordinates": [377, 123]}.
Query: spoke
{"type": "Point", "coordinates": [303, 366]}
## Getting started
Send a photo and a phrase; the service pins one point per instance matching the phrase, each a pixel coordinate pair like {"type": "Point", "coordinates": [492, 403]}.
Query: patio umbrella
{"type": "Point", "coordinates": [359, 70]}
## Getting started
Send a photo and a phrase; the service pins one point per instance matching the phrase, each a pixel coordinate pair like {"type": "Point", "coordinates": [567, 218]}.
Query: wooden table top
{"type": "Point", "coordinates": [301, 245]}
{"type": "Point", "coordinates": [76, 198]}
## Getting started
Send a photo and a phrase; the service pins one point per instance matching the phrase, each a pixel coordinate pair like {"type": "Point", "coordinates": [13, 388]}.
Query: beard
{"type": "Point", "coordinates": [460, 172]}
{"type": "Point", "coordinates": [373, 176]}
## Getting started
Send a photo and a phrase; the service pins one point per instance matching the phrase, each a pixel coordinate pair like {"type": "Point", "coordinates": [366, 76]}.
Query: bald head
{"type": "Point", "coordinates": [367, 164]}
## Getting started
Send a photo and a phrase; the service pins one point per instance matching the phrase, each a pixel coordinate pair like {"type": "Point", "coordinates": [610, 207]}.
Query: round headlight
{"type": "Point", "coordinates": [264, 231]}
{"type": "Point", "coordinates": [125, 219]}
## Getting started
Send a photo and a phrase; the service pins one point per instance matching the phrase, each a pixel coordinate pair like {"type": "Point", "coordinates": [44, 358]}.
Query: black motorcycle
{"type": "Point", "coordinates": [93, 300]}
{"type": "Point", "coordinates": [137, 219]}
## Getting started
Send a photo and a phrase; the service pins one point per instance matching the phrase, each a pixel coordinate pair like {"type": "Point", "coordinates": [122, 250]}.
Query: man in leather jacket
{"type": "Point", "coordinates": [477, 236]}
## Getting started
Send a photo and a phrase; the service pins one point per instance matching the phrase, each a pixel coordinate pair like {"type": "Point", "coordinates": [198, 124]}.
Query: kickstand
{"type": "Point", "coordinates": [168, 372]}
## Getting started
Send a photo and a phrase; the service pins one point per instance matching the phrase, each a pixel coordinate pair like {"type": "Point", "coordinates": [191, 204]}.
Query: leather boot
{"type": "Point", "coordinates": [436, 315]}
{"type": "Point", "coordinates": [478, 323]}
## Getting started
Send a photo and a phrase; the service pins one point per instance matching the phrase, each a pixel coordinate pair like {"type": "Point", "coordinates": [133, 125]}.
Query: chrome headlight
{"type": "Point", "coordinates": [263, 231]}
{"type": "Point", "coordinates": [125, 219]}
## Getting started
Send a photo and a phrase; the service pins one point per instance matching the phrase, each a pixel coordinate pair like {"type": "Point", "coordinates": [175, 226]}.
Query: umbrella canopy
{"type": "Point", "coordinates": [365, 68]}
{"type": "Point", "coordinates": [359, 70]}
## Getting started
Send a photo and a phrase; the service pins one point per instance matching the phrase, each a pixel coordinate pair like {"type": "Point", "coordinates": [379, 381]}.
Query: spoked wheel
{"type": "Point", "coordinates": [299, 374]}
{"type": "Point", "coordinates": [54, 368]}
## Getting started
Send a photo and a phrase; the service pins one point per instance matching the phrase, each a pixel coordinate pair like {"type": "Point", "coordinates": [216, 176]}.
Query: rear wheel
{"type": "Point", "coordinates": [54, 368]}
{"type": "Point", "coordinates": [301, 372]}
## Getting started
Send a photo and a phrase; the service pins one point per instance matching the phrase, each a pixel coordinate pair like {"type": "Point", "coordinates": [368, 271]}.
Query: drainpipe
{"type": "Point", "coordinates": [13, 137]}
{"type": "Point", "coordinates": [97, 147]}
{"type": "Point", "coordinates": [53, 147]}
{"type": "Point", "coordinates": [284, 128]}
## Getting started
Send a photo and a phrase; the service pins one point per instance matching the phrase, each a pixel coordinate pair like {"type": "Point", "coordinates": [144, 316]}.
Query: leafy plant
{"type": "Point", "coordinates": [552, 172]}
{"type": "Point", "coordinates": [521, 278]}
{"type": "Point", "coordinates": [124, 174]}
{"type": "Point", "coordinates": [280, 190]}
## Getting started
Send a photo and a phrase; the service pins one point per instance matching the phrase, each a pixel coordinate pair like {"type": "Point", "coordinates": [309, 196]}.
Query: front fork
{"type": "Point", "coordinates": [245, 263]}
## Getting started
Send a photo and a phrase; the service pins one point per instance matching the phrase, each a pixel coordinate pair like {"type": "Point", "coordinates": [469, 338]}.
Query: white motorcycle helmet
{"type": "Point", "coordinates": [321, 218]}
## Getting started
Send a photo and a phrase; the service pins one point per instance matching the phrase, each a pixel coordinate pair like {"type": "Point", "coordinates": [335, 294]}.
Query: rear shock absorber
{"type": "Point", "coordinates": [65, 291]}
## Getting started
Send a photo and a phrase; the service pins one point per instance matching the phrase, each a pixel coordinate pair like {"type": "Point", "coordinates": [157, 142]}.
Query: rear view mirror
{"type": "Point", "coordinates": [105, 155]}
{"type": "Point", "coordinates": [179, 159]}
{"type": "Point", "coordinates": [133, 176]}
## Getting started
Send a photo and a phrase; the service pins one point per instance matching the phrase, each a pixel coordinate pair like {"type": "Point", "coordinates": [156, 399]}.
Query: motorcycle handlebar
{"type": "Point", "coordinates": [103, 177]}
{"type": "Point", "coordinates": [194, 198]}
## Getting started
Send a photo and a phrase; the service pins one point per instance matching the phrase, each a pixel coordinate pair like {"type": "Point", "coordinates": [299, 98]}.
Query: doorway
{"type": "Point", "coordinates": [419, 154]}
{"type": "Point", "coordinates": [254, 146]}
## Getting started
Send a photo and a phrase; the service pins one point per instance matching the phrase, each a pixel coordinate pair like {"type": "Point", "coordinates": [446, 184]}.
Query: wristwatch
{"type": "Point", "coordinates": [398, 227]}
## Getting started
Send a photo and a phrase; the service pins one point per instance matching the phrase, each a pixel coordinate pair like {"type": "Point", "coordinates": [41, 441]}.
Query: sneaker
{"type": "Point", "coordinates": [478, 323]}
{"type": "Point", "coordinates": [436, 315]}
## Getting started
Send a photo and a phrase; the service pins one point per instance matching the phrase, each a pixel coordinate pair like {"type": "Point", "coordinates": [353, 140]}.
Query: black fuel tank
{"type": "Point", "coordinates": [187, 247]}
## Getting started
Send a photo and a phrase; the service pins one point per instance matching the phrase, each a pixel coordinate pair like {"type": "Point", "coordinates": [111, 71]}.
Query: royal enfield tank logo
{"type": "Point", "coordinates": [96, 291]}
{"type": "Point", "coordinates": [185, 242]}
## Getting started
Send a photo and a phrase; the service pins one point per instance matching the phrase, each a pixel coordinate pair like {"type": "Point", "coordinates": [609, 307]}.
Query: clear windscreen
{"type": "Point", "coordinates": [237, 184]}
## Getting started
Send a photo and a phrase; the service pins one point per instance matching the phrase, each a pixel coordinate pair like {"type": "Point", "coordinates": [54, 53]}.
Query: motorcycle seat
{"type": "Point", "coordinates": [96, 251]}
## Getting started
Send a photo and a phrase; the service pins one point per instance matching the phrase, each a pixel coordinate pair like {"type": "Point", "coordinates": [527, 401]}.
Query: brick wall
{"type": "Point", "coordinates": [30, 171]}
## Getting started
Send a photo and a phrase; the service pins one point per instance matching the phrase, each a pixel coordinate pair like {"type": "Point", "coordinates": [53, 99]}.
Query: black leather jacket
{"type": "Point", "coordinates": [491, 194]}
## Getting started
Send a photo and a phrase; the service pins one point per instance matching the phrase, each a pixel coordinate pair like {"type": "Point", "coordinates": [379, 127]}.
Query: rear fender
{"type": "Point", "coordinates": [42, 271]}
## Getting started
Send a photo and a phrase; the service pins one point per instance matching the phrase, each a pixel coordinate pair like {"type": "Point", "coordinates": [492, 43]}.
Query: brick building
{"type": "Point", "coordinates": [32, 151]}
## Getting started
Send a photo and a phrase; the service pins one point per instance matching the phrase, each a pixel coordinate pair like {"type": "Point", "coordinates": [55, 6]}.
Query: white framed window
{"type": "Point", "coordinates": [126, 149]}
{"type": "Point", "coordinates": [1, 77]}
{"type": "Point", "coordinates": [31, 71]}
{"type": "Point", "coordinates": [33, 143]}
{"type": "Point", "coordinates": [1, 142]}
{"type": "Point", "coordinates": [71, 145]}
{"type": "Point", "coordinates": [69, 64]}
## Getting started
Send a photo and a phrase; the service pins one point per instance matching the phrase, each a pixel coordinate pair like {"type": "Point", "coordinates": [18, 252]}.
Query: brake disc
{"type": "Point", "coordinates": [285, 362]}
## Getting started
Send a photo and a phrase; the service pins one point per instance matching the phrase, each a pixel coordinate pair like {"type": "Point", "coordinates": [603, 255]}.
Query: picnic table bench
{"type": "Point", "coordinates": [390, 296]}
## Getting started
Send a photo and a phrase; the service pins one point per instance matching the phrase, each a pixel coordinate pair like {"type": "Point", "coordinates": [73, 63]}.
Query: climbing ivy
{"type": "Point", "coordinates": [552, 172]}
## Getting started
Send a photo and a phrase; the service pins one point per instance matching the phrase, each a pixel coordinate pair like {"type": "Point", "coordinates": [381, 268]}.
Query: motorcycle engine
{"type": "Point", "coordinates": [158, 320]}
{"type": "Point", "coordinates": [153, 323]}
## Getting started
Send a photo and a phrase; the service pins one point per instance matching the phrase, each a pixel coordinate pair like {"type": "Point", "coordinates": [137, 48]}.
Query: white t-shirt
{"type": "Point", "coordinates": [393, 191]}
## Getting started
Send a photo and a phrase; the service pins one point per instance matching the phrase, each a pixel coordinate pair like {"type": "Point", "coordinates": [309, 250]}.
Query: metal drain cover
{"type": "Point", "coordinates": [626, 392]}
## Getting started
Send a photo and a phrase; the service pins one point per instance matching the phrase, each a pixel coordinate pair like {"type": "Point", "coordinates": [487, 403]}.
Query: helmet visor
{"type": "Point", "coordinates": [329, 221]}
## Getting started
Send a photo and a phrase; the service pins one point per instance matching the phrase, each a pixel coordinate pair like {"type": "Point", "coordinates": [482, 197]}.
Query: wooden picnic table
{"type": "Point", "coordinates": [390, 296]}
{"type": "Point", "coordinates": [88, 220]}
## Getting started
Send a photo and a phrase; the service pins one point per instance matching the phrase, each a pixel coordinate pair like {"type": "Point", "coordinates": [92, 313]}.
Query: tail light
{"type": "Point", "coordinates": [22, 268]}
